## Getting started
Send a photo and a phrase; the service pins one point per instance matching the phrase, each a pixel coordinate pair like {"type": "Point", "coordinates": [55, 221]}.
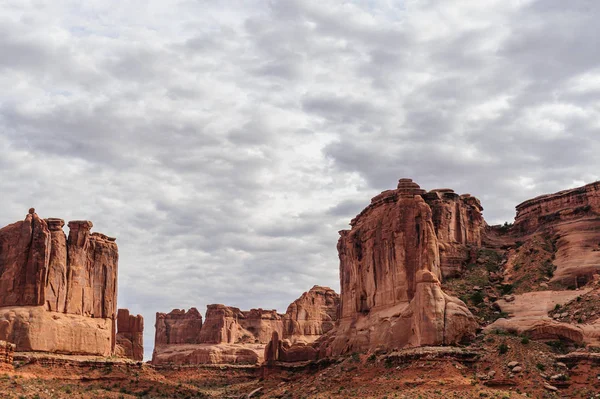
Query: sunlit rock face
{"type": "Point", "coordinates": [311, 315]}
{"type": "Point", "coordinates": [572, 218]}
{"type": "Point", "coordinates": [53, 288]}
{"type": "Point", "coordinates": [391, 267]}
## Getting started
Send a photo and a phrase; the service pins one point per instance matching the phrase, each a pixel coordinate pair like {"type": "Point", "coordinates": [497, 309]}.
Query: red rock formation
{"type": "Point", "coordinates": [130, 335]}
{"type": "Point", "coordinates": [458, 226]}
{"type": "Point", "coordinates": [24, 257]}
{"type": "Point", "coordinates": [185, 354]}
{"type": "Point", "coordinates": [92, 271]}
{"type": "Point", "coordinates": [572, 217]}
{"type": "Point", "coordinates": [231, 335]}
{"type": "Point", "coordinates": [178, 327]}
{"type": "Point", "coordinates": [40, 270]}
{"type": "Point", "coordinates": [389, 275]}
{"type": "Point", "coordinates": [228, 335]}
{"type": "Point", "coordinates": [563, 205]}
{"type": "Point", "coordinates": [56, 284]}
{"type": "Point", "coordinates": [6, 355]}
{"type": "Point", "coordinates": [282, 351]}
{"type": "Point", "coordinates": [311, 315]}
{"type": "Point", "coordinates": [225, 324]}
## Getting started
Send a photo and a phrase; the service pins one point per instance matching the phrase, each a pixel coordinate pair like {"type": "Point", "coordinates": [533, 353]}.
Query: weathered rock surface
{"type": "Point", "coordinates": [231, 335]}
{"type": "Point", "coordinates": [41, 270]}
{"type": "Point", "coordinates": [33, 328]}
{"type": "Point", "coordinates": [560, 206]}
{"type": "Point", "coordinates": [130, 335]}
{"type": "Point", "coordinates": [574, 217]}
{"type": "Point", "coordinates": [389, 274]}
{"type": "Point", "coordinates": [6, 355]}
{"type": "Point", "coordinates": [178, 327]}
{"type": "Point", "coordinates": [24, 259]}
{"type": "Point", "coordinates": [458, 226]}
{"type": "Point", "coordinates": [230, 325]}
{"type": "Point", "coordinates": [528, 315]}
{"type": "Point", "coordinates": [311, 315]}
{"type": "Point", "coordinates": [185, 354]}
{"type": "Point", "coordinates": [228, 335]}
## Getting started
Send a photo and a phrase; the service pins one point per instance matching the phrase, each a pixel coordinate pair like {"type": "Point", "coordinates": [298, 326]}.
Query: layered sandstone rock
{"type": "Point", "coordinates": [24, 259]}
{"type": "Point", "coordinates": [228, 335]}
{"type": "Point", "coordinates": [458, 226]}
{"type": "Point", "coordinates": [43, 271]}
{"type": "Point", "coordinates": [130, 335]}
{"type": "Point", "coordinates": [186, 354]}
{"type": "Point", "coordinates": [390, 271]}
{"type": "Point", "coordinates": [563, 205]}
{"type": "Point", "coordinates": [33, 328]}
{"type": "Point", "coordinates": [311, 315]}
{"type": "Point", "coordinates": [572, 216]}
{"type": "Point", "coordinates": [226, 324]}
{"type": "Point", "coordinates": [178, 327]}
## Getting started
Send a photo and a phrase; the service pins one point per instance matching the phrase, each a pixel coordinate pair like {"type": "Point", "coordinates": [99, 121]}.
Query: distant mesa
{"type": "Point", "coordinates": [231, 335]}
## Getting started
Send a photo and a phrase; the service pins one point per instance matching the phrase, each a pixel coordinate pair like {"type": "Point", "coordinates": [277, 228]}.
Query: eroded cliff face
{"type": "Point", "coordinates": [458, 226]}
{"type": "Point", "coordinates": [41, 271]}
{"type": "Point", "coordinates": [228, 335]}
{"type": "Point", "coordinates": [130, 335]}
{"type": "Point", "coordinates": [391, 265]}
{"type": "Point", "coordinates": [226, 324]}
{"type": "Point", "coordinates": [178, 327]}
{"type": "Point", "coordinates": [561, 206]}
{"type": "Point", "coordinates": [231, 335]}
{"type": "Point", "coordinates": [572, 219]}
{"type": "Point", "coordinates": [311, 315]}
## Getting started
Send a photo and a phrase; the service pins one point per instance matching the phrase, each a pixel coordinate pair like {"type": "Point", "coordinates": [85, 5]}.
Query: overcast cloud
{"type": "Point", "coordinates": [225, 143]}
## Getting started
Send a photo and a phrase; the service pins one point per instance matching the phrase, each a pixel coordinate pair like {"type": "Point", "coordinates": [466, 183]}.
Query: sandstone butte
{"type": "Point", "coordinates": [58, 294]}
{"type": "Point", "coordinates": [230, 335]}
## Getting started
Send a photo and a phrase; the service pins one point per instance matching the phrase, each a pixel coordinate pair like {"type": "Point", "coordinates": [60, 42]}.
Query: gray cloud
{"type": "Point", "coordinates": [226, 144]}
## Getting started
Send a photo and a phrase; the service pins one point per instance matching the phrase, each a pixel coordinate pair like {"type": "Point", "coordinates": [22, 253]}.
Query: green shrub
{"type": "Point", "coordinates": [503, 348]}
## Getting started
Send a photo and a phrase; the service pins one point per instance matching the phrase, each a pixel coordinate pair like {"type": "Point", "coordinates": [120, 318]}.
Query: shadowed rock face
{"type": "Point", "coordinates": [40, 267]}
{"type": "Point", "coordinates": [130, 335]}
{"type": "Point", "coordinates": [178, 327]}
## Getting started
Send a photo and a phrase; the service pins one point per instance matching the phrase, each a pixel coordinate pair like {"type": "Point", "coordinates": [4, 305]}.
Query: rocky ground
{"type": "Point", "coordinates": [495, 365]}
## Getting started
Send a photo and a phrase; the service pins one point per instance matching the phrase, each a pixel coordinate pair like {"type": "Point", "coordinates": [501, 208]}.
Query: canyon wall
{"type": "Point", "coordinates": [57, 294]}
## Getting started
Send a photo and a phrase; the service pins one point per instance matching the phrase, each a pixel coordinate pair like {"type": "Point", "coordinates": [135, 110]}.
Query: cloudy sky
{"type": "Point", "coordinates": [225, 143]}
